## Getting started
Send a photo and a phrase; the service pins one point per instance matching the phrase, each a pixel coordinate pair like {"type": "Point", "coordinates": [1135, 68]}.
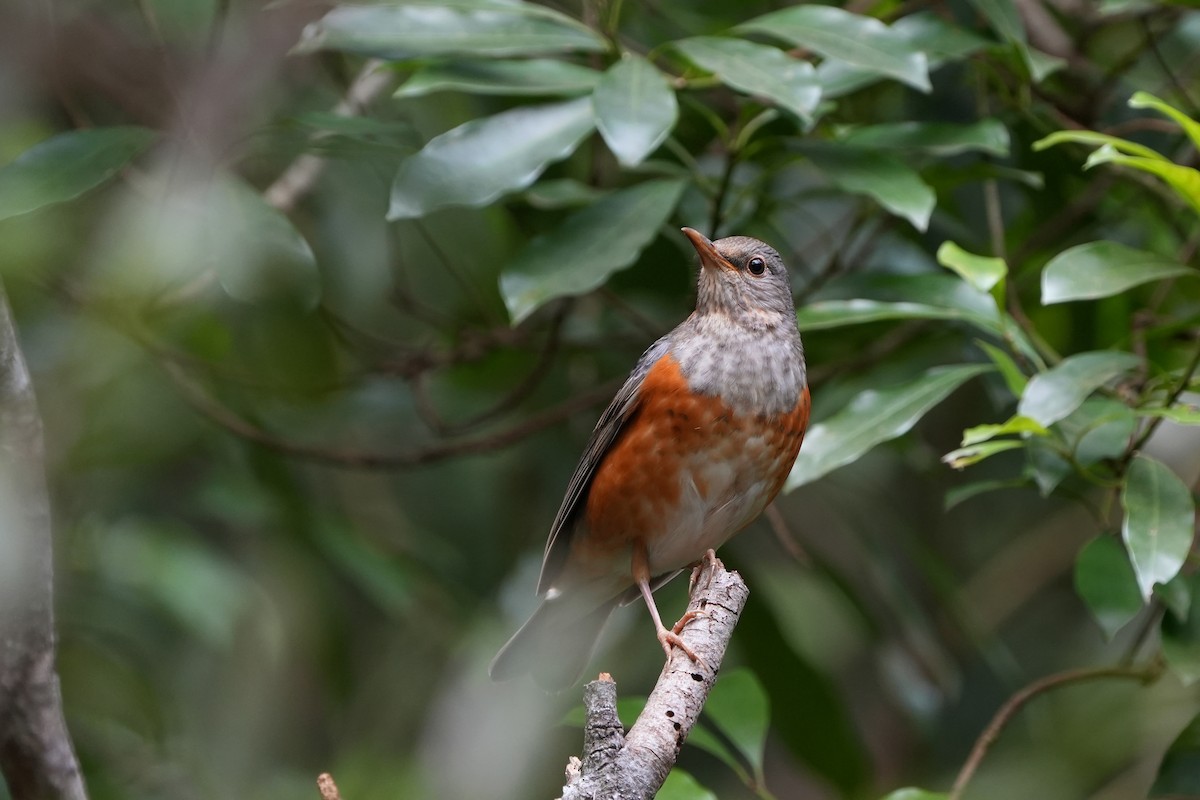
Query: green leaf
{"type": "Point", "coordinates": [982, 272]}
{"type": "Point", "coordinates": [826, 314]}
{"type": "Point", "coordinates": [1105, 581]}
{"type": "Point", "coordinates": [590, 245]}
{"type": "Point", "coordinates": [1184, 180]}
{"type": "Point", "coordinates": [1003, 17]}
{"type": "Point", "coordinates": [1054, 394]}
{"type": "Point", "coordinates": [937, 138]}
{"type": "Point", "coordinates": [257, 252]}
{"type": "Point", "coordinates": [635, 109]}
{"type": "Point", "coordinates": [910, 793]}
{"type": "Point", "coordinates": [923, 31]}
{"type": "Point", "coordinates": [758, 70]}
{"type": "Point", "coordinates": [1158, 524]}
{"type": "Point", "coordinates": [1180, 414]}
{"type": "Point", "coordinates": [483, 159]}
{"type": "Point", "coordinates": [738, 706]}
{"type": "Point", "coordinates": [1014, 378]}
{"type": "Point", "coordinates": [519, 77]}
{"type": "Point", "coordinates": [1189, 125]}
{"type": "Point", "coordinates": [561, 193]}
{"type": "Point", "coordinates": [861, 41]}
{"type": "Point", "coordinates": [961, 494]}
{"type": "Point", "coordinates": [972, 454]}
{"type": "Point", "coordinates": [65, 166]}
{"type": "Point", "coordinates": [1102, 269]}
{"type": "Point", "coordinates": [182, 223]}
{"type": "Point", "coordinates": [681, 786]}
{"type": "Point", "coordinates": [447, 28]}
{"type": "Point", "coordinates": [1098, 139]}
{"type": "Point", "coordinates": [873, 417]}
{"type": "Point", "coordinates": [885, 178]}
{"type": "Point", "coordinates": [1179, 773]}
{"type": "Point", "coordinates": [1099, 429]}
{"type": "Point", "coordinates": [1017, 424]}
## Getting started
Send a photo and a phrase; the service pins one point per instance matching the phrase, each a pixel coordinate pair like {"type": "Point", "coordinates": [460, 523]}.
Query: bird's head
{"type": "Point", "coordinates": [742, 278]}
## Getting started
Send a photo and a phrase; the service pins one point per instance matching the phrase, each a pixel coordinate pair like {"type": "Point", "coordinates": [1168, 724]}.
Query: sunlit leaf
{"type": "Point", "coordinates": [447, 27]}
{"type": "Point", "coordinates": [982, 272]}
{"type": "Point", "coordinates": [1054, 394]}
{"type": "Point", "coordinates": [888, 180]}
{"type": "Point", "coordinates": [939, 138]}
{"type": "Point", "coordinates": [1105, 581]}
{"type": "Point", "coordinates": [1179, 773]}
{"type": "Point", "coordinates": [835, 33]}
{"type": "Point", "coordinates": [635, 109]}
{"type": "Point", "coordinates": [517, 77]}
{"type": "Point", "coordinates": [1159, 520]}
{"type": "Point", "coordinates": [1102, 269]}
{"type": "Point", "coordinates": [1184, 180]}
{"type": "Point", "coordinates": [682, 786]}
{"type": "Point", "coordinates": [738, 706]}
{"type": "Point", "coordinates": [1015, 425]}
{"type": "Point", "coordinates": [590, 245]}
{"type": "Point", "coordinates": [1099, 140]}
{"type": "Point", "coordinates": [65, 166]}
{"type": "Point", "coordinates": [872, 417]}
{"type": "Point", "coordinates": [486, 158]}
{"type": "Point", "coordinates": [972, 454]}
{"type": "Point", "coordinates": [758, 70]}
{"type": "Point", "coordinates": [1190, 126]}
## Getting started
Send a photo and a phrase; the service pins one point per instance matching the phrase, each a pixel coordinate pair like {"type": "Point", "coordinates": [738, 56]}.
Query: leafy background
{"type": "Point", "coordinates": [322, 302]}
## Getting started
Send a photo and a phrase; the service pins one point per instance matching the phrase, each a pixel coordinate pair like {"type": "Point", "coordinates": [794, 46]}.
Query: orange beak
{"type": "Point", "coordinates": [709, 257]}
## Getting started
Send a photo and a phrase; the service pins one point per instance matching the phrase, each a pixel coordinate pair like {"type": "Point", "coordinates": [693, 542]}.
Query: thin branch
{"type": "Point", "coordinates": [301, 175]}
{"type": "Point", "coordinates": [634, 766]}
{"type": "Point", "coordinates": [1019, 700]}
{"type": "Point", "coordinates": [227, 418]}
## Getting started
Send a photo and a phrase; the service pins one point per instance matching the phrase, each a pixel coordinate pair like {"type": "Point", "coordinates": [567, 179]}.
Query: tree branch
{"type": "Point", "coordinates": [633, 766]}
{"type": "Point", "coordinates": [36, 755]}
{"type": "Point", "coordinates": [1018, 701]}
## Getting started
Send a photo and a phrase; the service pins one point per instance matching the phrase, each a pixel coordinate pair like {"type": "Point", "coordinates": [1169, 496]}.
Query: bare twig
{"type": "Point", "coordinates": [36, 755]}
{"type": "Point", "coordinates": [634, 766]}
{"type": "Point", "coordinates": [1018, 701]}
{"type": "Point", "coordinates": [230, 420]}
{"type": "Point", "coordinates": [327, 787]}
{"type": "Point", "coordinates": [300, 176]}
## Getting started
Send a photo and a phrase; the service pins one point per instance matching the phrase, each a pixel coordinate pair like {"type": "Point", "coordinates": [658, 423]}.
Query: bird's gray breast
{"type": "Point", "coordinates": [754, 371]}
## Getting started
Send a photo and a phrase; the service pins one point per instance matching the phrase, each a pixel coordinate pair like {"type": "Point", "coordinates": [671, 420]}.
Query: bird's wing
{"type": "Point", "coordinates": [603, 435]}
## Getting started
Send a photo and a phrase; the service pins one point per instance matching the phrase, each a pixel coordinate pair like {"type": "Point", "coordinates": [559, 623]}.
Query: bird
{"type": "Point", "coordinates": [695, 444]}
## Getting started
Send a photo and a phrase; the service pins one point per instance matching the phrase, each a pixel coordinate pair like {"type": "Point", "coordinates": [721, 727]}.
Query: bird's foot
{"type": "Point", "coordinates": [670, 639]}
{"type": "Point", "coordinates": [685, 619]}
{"type": "Point", "coordinates": [710, 560]}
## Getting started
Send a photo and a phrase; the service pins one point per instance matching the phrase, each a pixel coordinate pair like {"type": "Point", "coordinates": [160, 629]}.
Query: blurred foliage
{"type": "Point", "coordinates": [309, 420]}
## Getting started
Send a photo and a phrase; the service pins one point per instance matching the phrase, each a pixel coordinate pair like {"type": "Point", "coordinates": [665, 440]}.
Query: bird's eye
{"type": "Point", "coordinates": [756, 266]}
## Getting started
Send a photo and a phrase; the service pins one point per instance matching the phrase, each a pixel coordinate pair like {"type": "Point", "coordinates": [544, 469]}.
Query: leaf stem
{"type": "Point", "coordinates": [1145, 674]}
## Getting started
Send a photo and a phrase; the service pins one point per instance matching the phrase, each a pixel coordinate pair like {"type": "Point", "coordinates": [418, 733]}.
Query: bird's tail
{"type": "Point", "coordinates": [554, 645]}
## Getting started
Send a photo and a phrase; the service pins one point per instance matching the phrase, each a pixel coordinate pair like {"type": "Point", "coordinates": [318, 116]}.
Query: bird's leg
{"type": "Point", "coordinates": [641, 575]}
{"type": "Point", "coordinates": [709, 558]}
